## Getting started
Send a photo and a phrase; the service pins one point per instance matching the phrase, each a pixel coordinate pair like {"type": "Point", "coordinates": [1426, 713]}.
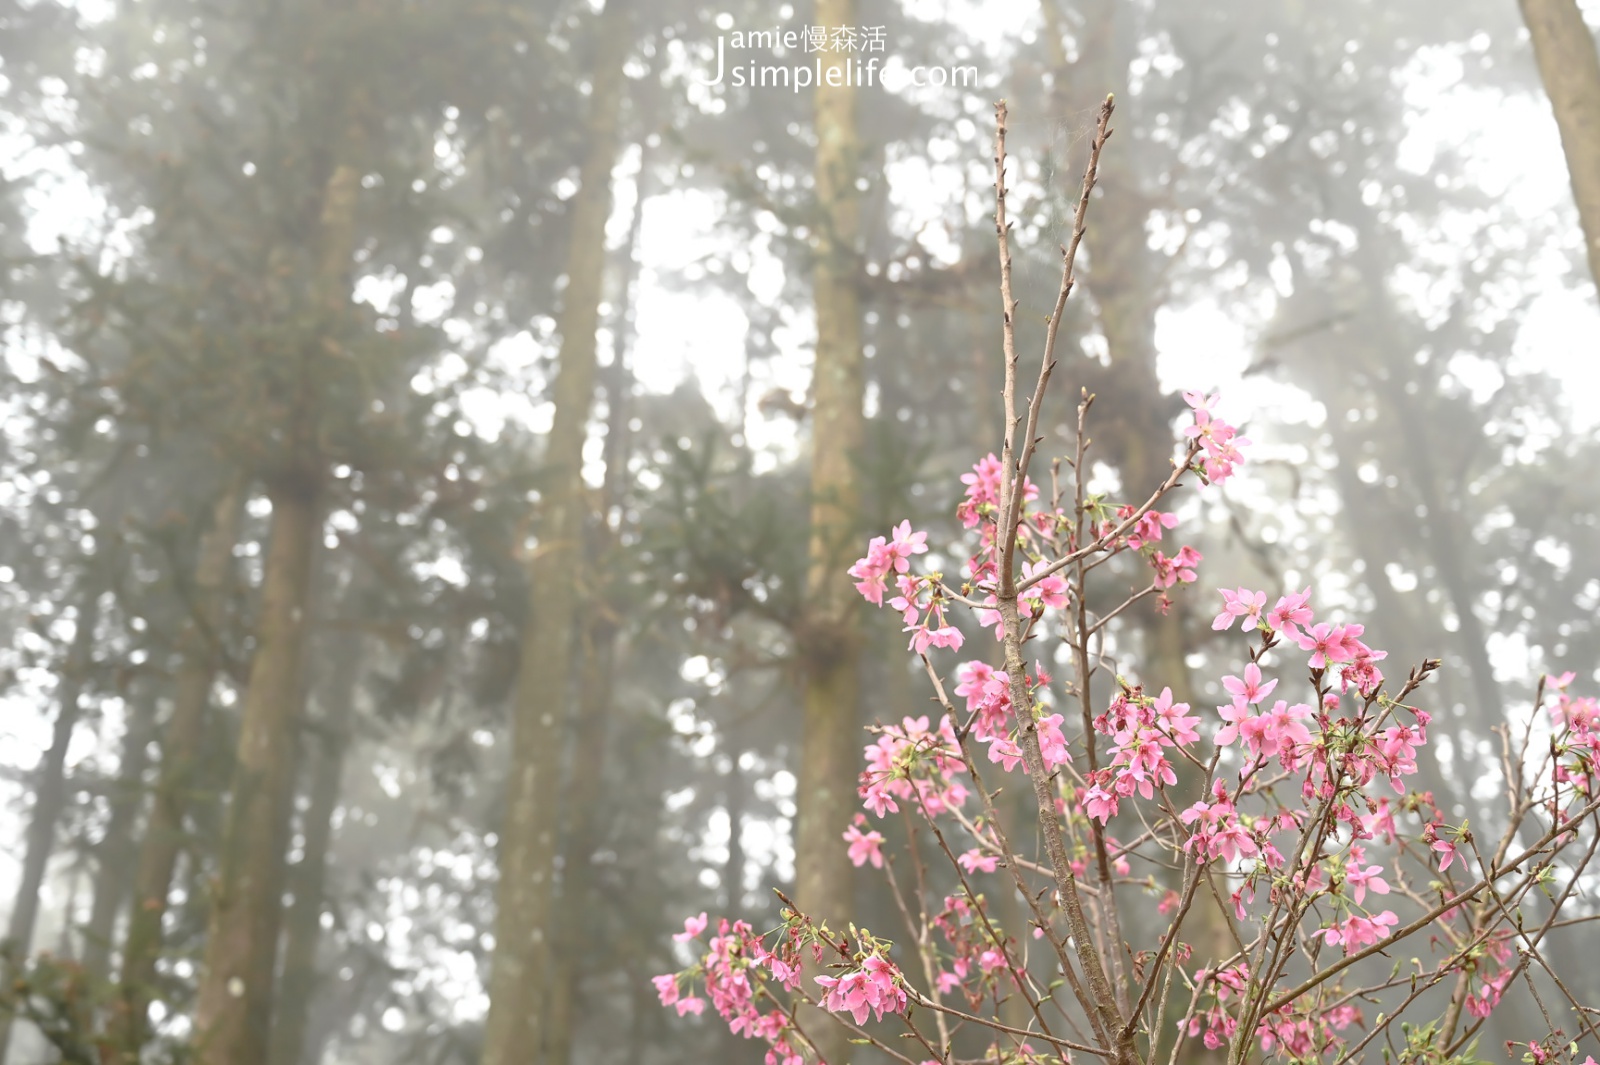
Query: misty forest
{"type": "Point", "coordinates": [453, 452]}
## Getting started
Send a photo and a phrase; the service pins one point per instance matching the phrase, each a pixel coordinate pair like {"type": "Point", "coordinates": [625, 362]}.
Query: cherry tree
{"type": "Point", "coordinates": [1358, 918]}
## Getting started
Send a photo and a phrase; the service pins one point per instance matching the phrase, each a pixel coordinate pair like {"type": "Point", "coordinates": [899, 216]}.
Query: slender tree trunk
{"type": "Point", "coordinates": [1564, 49]}
{"type": "Point", "coordinates": [600, 637]}
{"type": "Point", "coordinates": [299, 981]}
{"type": "Point", "coordinates": [830, 624]}
{"type": "Point", "coordinates": [69, 913]}
{"type": "Point", "coordinates": [234, 1006]}
{"type": "Point", "coordinates": [117, 850]}
{"type": "Point", "coordinates": [50, 787]}
{"type": "Point", "coordinates": [594, 716]}
{"type": "Point", "coordinates": [50, 791]}
{"type": "Point", "coordinates": [519, 977]}
{"type": "Point", "coordinates": [233, 1010]}
{"type": "Point", "coordinates": [181, 742]}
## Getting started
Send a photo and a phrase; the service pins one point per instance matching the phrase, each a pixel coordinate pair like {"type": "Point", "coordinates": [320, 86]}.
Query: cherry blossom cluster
{"type": "Point", "coordinates": [1490, 966]}
{"type": "Point", "coordinates": [918, 600]}
{"type": "Point", "coordinates": [1040, 533]}
{"type": "Point", "coordinates": [988, 695]}
{"type": "Point", "coordinates": [1578, 723]}
{"type": "Point", "coordinates": [1299, 1034]}
{"type": "Point", "coordinates": [875, 986]}
{"type": "Point", "coordinates": [747, 983]}
{"type": "Point", "coordinates": [1219, 441]}
{"type": "Point", "coordinates": [1294, 798]}
{"type": "Point", "coordinates": [910, 763]}
{"type": "Point", "coordinates": [978, 954]}
{"type": "Point", "coordinates": [1178, 568]}
{"type": "Point", "coordinates": [981, 510]}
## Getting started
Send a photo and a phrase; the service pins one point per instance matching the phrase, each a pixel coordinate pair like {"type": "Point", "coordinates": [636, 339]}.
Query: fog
{"type": "Point", "coordinates": [436, 435]}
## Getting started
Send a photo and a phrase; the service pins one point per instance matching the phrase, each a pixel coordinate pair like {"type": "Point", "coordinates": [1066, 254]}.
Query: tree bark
{"type": "Point", "coordinates": [594, 715]}
{"type": "Point", "coordinates": [519, 976]}
{"type": "Point", "coordinates": [181, 741]}
{"type": "Point", "coordinates": [830, 619]}
{"type": "Point", "coordinates": [117, 850]}
{"type": "Point", "coordinates": [303, 927]}
{"type": "Point", "coordinates": [1564, 49]}
{"type": "Point", "coordinates": [600, 637]}
{"type": "Point", "coordinates": [234, 1006]}
{"type": "Point", "coordinates": [233, 1010]}
{"type": "Point", "coordinates": [50, 787]}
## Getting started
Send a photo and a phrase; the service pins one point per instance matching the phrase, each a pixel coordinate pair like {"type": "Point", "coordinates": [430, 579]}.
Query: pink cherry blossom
{"type": "Point", "coordinates": [1050, 592]}
{"type": "Point", "coordinates": [1242, 603]}
{"type": "Point", "coordinates": [1004, 750]}
{"type": "Point", "coordinates": [692, 927]}
{"type": "Point", "coordinates": [975, 860]}
{"type": "Point", "coordinates": [905, 544]}
{"type": "Point", "coordinates": [1334, 753]}
{"type": "Point", "coordinates": [1280, 732]}
{"type": "Point", "coordinates": [1236, 715]}
{"type": "Point", "coordinates": [1148, 528]}
{"type": "Point", "coordinates": [1357, 931]}
{"type": "Point", "coordinates": [1218, 439]}
{"type": "Point", "coordinates": [864, 846]}
{"type": "Point", "coordinates": [911, 762]}
{"type": "Point", "coordinates": [988, 694]}
{"type": "Point", "coordinates": [1290, 612]}
{"type": "Point", "coordinates": [1052, 744]}
{"type": "Point", "coordinates": [1379, 824]}
{"type": "Point", "coordinates": [1099, 804]}
{"type": "Point", "coordinates": [1250, 689]}
{"type": "Point", "coordinates": [1178, 568]}
{"type": "Point", "coordinates": [874, 989]}
{"type": "Point", "coordinates": [886, 557]}
{"type": "Point", "coordinates": [1360, 880]}
{"type": "Point", "coordinates": [1175, 720]}
{"type": "Point", "coordinates": [872, 571]}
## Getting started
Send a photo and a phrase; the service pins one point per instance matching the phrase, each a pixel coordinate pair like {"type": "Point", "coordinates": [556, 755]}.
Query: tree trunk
{"type": "Point", "coordinates": [600, 638]}
{"type": "Point", "coordinates": [830, 621]}
{"type": "Point", "coordinates": [594, 715]}
{"type": "Point", "coordinates": [519, 977]}
{"type": "Point", "coordinates": [1564, 49]}
{"type": "Point", "coordinates": [234, 1006]}
{"type": "Point", "coordinates": [180, 746]}
{"type": "Point", "coordinates": [303, 927]}
{"type": "Point", "coordinates": [50, 788]}
{"type": "Point", "coordinates": [117, 851]}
